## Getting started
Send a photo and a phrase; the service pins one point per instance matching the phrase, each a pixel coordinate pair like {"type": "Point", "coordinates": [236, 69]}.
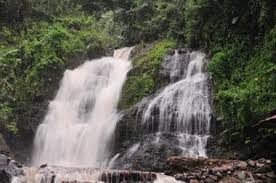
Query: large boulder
{"type": "Point", "coordinates": [149, 154]}
{"type": "Point", "coordinates": [9, 169]}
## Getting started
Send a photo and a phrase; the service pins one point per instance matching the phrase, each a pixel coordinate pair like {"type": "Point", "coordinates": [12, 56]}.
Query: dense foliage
{"type": "Point", "coordinates": [200, 23]}
{"type": "Point", "coordinates": [39, 38]}
{"type": "Point", "coordinates": [32, 62]}
{"type": "Point", "coordinates": [245, 83]}
{"type": "Point", "coordinates": [245, 86]}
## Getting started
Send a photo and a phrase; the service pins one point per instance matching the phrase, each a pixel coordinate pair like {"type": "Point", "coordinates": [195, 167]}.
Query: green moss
{"type": "Point", "coordinates": [144, 78]}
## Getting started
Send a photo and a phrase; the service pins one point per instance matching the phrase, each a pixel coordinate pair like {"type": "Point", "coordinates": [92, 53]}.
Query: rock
{"type": "Point", "coordinates": [43, 166]}
{"type": "Point", "coordinates": [214, 170]}
{"type": "Point", "coordinates": [262, 160]}
{"type": "Point", "coordinates": [142, 158]}
{"type": "Point", "coordinates": [242, 165]}
{"type": "Point", "coordinates": [185, 164]}
{"type": "Point", "coordinates": [251, 163]}
{"type": "Point", "coordinates": [241, 175]}
{"type": "Point", "coordinates": [209, 180]}
{"type": "Point", "coordinates": [8, 169]}
{"type": "Point", "coordinates": [194, 181]}
{"type": "Point", "coordinates": [229, 180]}
{"type": "Point", "coordinates": [271, 175]}
{"type": "Point", "coordinates": [126, 143]}
{"type": "Point", "coordinates": [5, 177]}
{"type": "Point", "coordinates": [205, 174]}
{"type": "Point", "coordinates": [4, 160]}
{"type": "Point", "coordinates": [185, 175]}
{"type": "Point", "coordinates": [171, 52]}
{"type": "Point", "coordinates": [215, 178]}
{"type": "Point", "coordinates": [235, 20]}
{"type": "Point", "coordinates": [183, 51]}
{"type": "Point", "coordinates": [179, 177]}
{"type": "Point", "coordinates": [219, 174]}
{"type": "Point", "coordinates": [197, 174]}
{"type": "Point", "coordinates": [268, 162]}
{"type": "Point", "coordinates": [191, 177]}
{"type": "Point", "coordinates": [259, 165]}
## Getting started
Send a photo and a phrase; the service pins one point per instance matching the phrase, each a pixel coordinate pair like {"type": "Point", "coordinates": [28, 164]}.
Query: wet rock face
{"type": "Point", "coordinates": [154, 146]}
{"type": "Point", "coordinates": [150, 153]}
{"type": "Point", "coordinates": [223, 171]}
{"type": "Point", "coordinates": [174, 65]}
{"type": "Point", "coordinates": [149, 156]}
{"type": "Point", "coordinates": [9, 168]}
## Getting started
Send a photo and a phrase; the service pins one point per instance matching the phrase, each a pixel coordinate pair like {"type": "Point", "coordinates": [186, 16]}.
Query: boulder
{"type": "Point", "coordinates": [251, 163]}
{"type": "Point", "coordinates": [9, 168]}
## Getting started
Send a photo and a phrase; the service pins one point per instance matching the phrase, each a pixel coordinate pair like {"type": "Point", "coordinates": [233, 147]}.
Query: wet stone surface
{"type": "Point", "coordinates": [222, 171]}
{"type": "Point", "coordinates": [9, 168]}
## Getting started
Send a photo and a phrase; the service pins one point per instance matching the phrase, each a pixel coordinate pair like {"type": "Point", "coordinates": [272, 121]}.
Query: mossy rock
{"type": "Point", "coordinates": [143, 79]}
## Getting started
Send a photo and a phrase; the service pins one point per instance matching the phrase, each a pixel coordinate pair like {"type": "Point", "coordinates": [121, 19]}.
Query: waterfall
{"type": "Point", "coordinates": [78, 127]}
{"type": "Point", "coordinates": [183, 106]}
{"type": "Point", "coordinates": [76, 135]}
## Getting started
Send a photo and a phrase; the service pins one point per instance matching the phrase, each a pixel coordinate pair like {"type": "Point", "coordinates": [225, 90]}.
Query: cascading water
{"type": "Point", "coordinates": [81, 119]}
{"type": "Point", "coordinates": [183, 107]}
{"type": "Point", "coordinates": [76, 133]}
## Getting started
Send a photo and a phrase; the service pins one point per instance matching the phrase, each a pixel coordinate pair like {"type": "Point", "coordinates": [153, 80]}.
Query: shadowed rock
{"type": "Point", "coordinates": [9, 168]}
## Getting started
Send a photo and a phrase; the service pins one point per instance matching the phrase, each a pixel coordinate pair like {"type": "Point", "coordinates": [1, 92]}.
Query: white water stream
{"type": "Point", "coordinates": [183, 106]}
{"type": "Point", "coordinates": [80, 121]}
